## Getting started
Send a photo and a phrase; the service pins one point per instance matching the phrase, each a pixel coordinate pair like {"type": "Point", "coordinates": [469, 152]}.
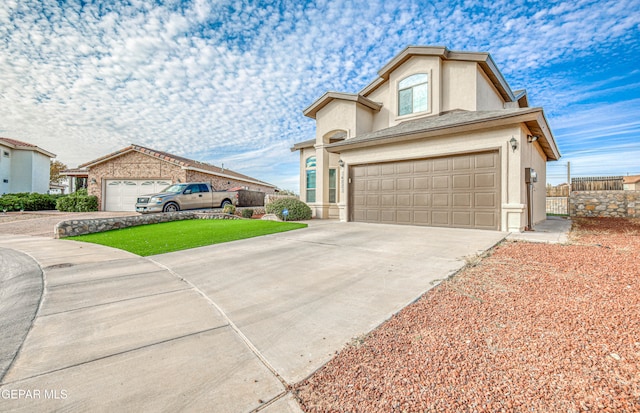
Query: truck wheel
{"type": "Point", "coordinates": [171, 207]}
{"type": "Point", "coordinates": [225, 203]}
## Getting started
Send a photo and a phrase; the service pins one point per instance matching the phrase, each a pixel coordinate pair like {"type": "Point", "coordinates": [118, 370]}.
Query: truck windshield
{"type": "Point", "coordinates": [176, 188]}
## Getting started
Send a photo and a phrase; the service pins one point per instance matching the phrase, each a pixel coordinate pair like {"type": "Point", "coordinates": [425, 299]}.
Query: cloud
{"type": "Point", "coordinates": [227, 80]}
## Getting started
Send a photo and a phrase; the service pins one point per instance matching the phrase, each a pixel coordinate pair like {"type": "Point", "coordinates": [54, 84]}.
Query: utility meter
{"type": "Point", "coordinates": [530, 175]}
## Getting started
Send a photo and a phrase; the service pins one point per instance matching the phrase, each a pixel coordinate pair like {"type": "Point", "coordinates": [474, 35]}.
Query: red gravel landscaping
{"type": "Point", "coordinates": [530, 328]}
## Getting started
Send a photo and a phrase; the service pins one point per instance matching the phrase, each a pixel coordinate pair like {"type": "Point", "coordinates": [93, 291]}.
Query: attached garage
{"type": "Point", "coordinates": [456, 191]}
{"type": "Point", "coordinates": [121, 194]}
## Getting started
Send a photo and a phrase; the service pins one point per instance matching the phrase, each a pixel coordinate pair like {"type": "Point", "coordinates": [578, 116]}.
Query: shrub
{"type": "Point", "coordinates": [78, 202]}
{"type": "Point", "coordinates": [28, 202]}
{"type": "Point", "coordinates": [247, 213]}
{"type": "Point", "coordinates": [298, 210]}
{"type": "Point", "coordinates": [229, 209]}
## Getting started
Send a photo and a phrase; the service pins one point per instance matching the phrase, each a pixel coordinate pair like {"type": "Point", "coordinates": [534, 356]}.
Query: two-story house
{"type": "Point", "coordinates": [438, 139]}
{"type": "Point", "coordinates": [23, 167]}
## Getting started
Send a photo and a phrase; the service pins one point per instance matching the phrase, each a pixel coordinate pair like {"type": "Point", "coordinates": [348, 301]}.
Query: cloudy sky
{"type": "Point", "coordinates": [226, 81]}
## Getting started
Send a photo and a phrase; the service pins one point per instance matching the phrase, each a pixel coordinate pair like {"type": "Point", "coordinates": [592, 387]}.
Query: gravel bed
{"type": "Point", "coordinates": [529, 328]}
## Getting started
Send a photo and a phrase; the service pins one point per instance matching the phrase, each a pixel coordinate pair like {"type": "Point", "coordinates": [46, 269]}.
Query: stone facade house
{"type": "Point", "coordinates": [23, 167]}
{"type": "Point", "coordinates": [438, 138]}
{"type": "Point", "coordinates": [117, 179]}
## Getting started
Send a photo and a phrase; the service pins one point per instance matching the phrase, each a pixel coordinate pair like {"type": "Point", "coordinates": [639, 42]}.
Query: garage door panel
{"type": "Point", "coordinates": [387, 169]}
{"type": "Point", "coordinates": [460, 191]}
{"type": "Point", "coordinates": [421, 182]}
{"type": "Point", "coordinates": [388, 216]}
{"type": "Point", "coordinates": [486, 200]}
{"type": "Point", "coordinates": [440, 182]}
{"type": "Point", "coordinates": [462, 218]}
{"type": "Point", "coordinates": [404, 168]}
{"type": "Point", "coordinates": [441, 165]}
{"type": "Point", "coordinates": [388, 184]}
{"type": "Point", "coordinates": [461, 200]}
{"type": "Point", "coordinates": [403, 184]}
{"type": "Point", "coordinates": [422, 166]}
{"type": "Point", "coordinates": [403, 200]}
{"type": "Point", "coordinates": [461, 182]}
{"type": "Point", "coordinates": [422, 217]}
{"type": "Point", "coordinates": [462, 163]}
{"type": "Point", "coordinates": [421, 200]}
{"type": "Point", "coordinates": [388, 200]}
{"type": "Point", "coordinates": [404, 217]}
{"type": "Point", "coordinates": [485, 180]}
{"type": "Point", "coordinates": [486, 160]}
{"type": "Point", "coordinates": [488, 220]}
{"type": "Point", "coordinates": [440, 200]}
{"type": "Point", "coordinates": [440, 218]}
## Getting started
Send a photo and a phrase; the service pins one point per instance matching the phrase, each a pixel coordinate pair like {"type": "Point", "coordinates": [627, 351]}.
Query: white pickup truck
{"type": "Point", "coordinates": [195, 195]}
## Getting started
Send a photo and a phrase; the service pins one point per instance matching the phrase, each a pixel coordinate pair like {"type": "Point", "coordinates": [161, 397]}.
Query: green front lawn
{"type": "Point", "coordinates": [154, 239]}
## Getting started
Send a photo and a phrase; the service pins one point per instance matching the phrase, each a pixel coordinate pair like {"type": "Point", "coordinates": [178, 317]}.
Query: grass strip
{"type": "Point", "coordinates": [145, 240]}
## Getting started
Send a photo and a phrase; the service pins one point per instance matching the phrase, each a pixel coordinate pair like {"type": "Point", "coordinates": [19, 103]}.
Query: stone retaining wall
{"type": "Point", "coordinates": [605, 204]}
{"type": "Point", "coordinates": [89, 226]}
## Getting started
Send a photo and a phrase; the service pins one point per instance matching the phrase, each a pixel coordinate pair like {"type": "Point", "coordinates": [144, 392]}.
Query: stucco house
{"type": "Point", "coordinates": [119, 177]}
{"type": "Point", "coordinates": [23, 167]}
{"type": "Point", "coordinates": [438, 139]}
{"type": "Point", "coordinates": [631, 182]}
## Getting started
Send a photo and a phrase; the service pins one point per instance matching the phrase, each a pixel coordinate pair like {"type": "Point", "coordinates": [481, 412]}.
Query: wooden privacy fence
{"type": "Point", "coordinates": [597, 183]}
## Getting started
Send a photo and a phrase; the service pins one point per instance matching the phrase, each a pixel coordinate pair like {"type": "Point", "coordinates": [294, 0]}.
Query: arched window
{"type": "Point", "coordinates": [310, 166]}
{"type": "Point", "coordinates": [413, 94]}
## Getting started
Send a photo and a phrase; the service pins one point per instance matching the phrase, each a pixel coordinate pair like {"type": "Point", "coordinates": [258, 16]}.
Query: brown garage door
{"type": "Point", "coordinates": [455, 191]}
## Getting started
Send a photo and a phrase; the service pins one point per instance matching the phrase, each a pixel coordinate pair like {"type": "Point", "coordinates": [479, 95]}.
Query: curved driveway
{"type": "Point", "coordinates": [219, 328]}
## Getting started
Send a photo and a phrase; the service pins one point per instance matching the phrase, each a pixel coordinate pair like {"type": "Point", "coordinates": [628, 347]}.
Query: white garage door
{"type": "Point", "coordinates": [121, 194]}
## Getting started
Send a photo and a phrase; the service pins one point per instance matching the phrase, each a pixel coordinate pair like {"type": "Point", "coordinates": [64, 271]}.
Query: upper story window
{"type": "Point", "coordinates": [413, 94]}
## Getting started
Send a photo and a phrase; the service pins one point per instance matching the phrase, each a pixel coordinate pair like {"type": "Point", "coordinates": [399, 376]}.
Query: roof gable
{"type": "Point", "coordinates": [19, 145]}
{"type": "Point", "coordinates": [185, 163]}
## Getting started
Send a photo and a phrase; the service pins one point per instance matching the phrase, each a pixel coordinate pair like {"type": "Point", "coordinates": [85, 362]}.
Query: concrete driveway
{"type": "Point", "coordinates": [225, 327]}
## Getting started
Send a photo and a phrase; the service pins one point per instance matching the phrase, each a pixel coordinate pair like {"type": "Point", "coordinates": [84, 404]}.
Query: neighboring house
{"type": "Point", "coordinates": [439, 138]}
{"type": "Point", "coordinates": [119, 177]}
{"type": "Point", "coordinates": [23, 167]}
{"type": "Point", "coordinates": [631, 183]}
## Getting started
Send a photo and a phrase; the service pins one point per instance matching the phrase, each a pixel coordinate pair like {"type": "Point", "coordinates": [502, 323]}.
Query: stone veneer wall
{"type": "Point", "coordinates": [89, 226]}
{"type": "Point", "coordinates": [605, 204]}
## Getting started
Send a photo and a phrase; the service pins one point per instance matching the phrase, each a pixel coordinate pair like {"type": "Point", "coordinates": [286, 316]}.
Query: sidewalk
{"type": "Point", "coordinates": [554, 230]}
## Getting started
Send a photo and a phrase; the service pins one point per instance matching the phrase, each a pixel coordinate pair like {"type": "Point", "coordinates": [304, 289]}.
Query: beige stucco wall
{"type": "Point", "coordinates": [459, 85]}
{"type": "Point", "coordinates": [487, 96]}
{"type": "Point", "coordinates": [534, 157]}
{"type": "Point", "coordinates": [381, 95]}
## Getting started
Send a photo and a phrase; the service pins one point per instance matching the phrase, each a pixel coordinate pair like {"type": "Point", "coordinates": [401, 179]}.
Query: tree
{"type": "Point", "coordinates": [55, 168]}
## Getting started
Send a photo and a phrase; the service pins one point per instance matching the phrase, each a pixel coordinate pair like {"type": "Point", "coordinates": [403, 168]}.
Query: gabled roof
{"type": "Point", "coordinates": [16, 144]}
{"type": "Point", "coordinates": [329, 96]}
{"type": "Point", "coordinates": [453, 122]}
{"type": "Point", "coordinates": [184, 163]}
{"type": "Point", "coordinates": [482, 58]}
{"type": "Point", "coordinates": [631, 179]}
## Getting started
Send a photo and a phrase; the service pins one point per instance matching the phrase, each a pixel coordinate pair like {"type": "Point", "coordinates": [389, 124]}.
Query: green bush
{"type": "Point", "coordinates": [247, 213]}
{"type": "Point", "coordinates": [298, 210]}
{"type": "Point", "coordinates": [229, 209]}
{"type": "Point", "coordinates": [28, 202]}
{"type": "Point", "coordinates": [78, 202]}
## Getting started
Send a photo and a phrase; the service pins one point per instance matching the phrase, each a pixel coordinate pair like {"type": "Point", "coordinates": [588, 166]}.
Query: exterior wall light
{"type": "Point", "coordinates": [514, 143]}
{"type": "Point", "coordinates": [93, 180]}
{"type": "Point", "coordinates": [341, 163]}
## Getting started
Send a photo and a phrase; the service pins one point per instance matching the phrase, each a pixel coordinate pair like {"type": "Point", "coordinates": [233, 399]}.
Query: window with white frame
{"type": "Point", "coordinates": [332, 186]}
{"type": "Point", "coordinates": [310, 166]}
{"type": "Point", "coordinates": [413, 94]}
